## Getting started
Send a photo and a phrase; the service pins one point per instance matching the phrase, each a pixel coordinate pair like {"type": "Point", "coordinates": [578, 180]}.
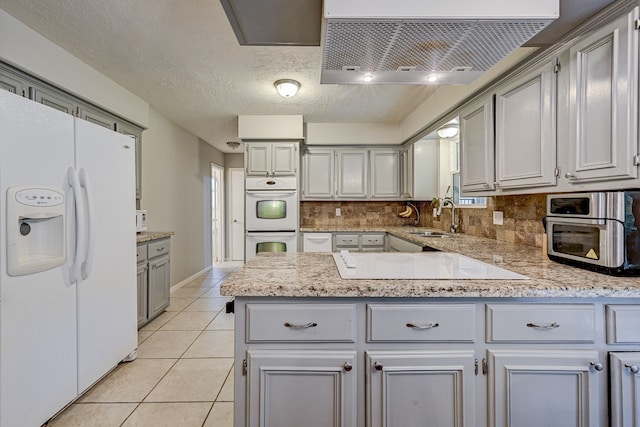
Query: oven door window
{"type": "Point", "coordinates": [577, 240]}
{"type": "Point", "coordinates": [271, 209]}
{"type": "Point", "coordinates": [271, 247]}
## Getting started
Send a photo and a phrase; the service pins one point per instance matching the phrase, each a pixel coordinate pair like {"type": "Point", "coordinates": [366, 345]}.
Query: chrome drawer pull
{"type": "Point", "coordinates": [547, 326]}
{"type": "Point", "coordinates": [347, 367]}
{"type": "Point", "coordinates": [378, 366]}
{"type": "Point", "coordinates": [429, 325]}
{"type": "Point", "coordinates": [294, 326]}
{"type": "Point", "coordinates": [633, 368]}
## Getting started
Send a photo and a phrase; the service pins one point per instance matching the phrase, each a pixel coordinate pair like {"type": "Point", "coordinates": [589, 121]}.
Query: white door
{"type": "Point", "coordinates": [38, 312]}
{"type": "Point", "coordinates": [217, 217]}
{"type": "Point", "coordinates": [107, 292]}
{"type": "Point", "coordinates": [236, 214]}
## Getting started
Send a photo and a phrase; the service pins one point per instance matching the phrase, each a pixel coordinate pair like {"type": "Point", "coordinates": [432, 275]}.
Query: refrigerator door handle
{"type": "Point", "coordinates": [88, 256]}
{"type": "Point", "coordinates": [74, 183]}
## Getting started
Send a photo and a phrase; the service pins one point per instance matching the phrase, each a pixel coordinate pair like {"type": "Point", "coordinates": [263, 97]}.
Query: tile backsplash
{"type": "Point", "coordinates": [522, 221]}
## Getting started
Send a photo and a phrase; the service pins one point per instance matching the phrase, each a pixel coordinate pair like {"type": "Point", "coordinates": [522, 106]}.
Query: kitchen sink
{"type": "Point", "coordinates": [430, 234]}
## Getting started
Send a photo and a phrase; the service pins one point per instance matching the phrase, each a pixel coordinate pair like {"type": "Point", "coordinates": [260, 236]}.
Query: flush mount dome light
{"type": "Point", "coordinates": [448, 130]}
{"type": "Point", "coordinates": [287, 88]}
{"type": "Point", "coordinates": [367, 78]}
{"type": "Point", "coordinates": [432, 78]}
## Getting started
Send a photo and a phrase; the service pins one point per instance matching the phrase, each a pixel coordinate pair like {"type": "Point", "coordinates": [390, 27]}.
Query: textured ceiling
{"type": "Point", "coordinates": [184, 59]}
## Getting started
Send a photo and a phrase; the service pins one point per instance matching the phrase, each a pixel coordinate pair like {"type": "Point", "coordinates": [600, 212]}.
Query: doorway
{"type": "Point", "coordinates": [217, 214]}
{"type": "Point", "coordinates": [236, 214]}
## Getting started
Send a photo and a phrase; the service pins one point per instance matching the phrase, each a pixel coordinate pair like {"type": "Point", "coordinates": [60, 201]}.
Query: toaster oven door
{"type": "Point", "coordinates": [600, 243]}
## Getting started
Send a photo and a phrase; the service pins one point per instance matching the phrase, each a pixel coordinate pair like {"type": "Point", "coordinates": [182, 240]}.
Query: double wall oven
{"type": "Point", "coordinates": [271, 206]}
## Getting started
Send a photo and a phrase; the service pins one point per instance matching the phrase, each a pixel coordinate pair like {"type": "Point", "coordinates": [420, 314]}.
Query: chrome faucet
{"type": "Point", "coordinates": [454, 226]}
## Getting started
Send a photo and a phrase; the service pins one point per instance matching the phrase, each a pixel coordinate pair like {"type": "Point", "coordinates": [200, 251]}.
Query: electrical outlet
{"type": "Point", "coordinates": [498, 218]}
{"type": "Point", "coordinates": [338, 212]}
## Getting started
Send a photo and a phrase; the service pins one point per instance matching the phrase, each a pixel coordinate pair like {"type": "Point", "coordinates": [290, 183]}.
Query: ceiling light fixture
{"type": "Point", "coordinates": [448, 130]}
{"type": "Point", "coordinates": [432, 78]}
{"type": "Point", "coordinates": [287, 88]}
{"type": "Point", "coordinates": [367, 77]}
{"type": "Point", "coordinates": [233, 144]}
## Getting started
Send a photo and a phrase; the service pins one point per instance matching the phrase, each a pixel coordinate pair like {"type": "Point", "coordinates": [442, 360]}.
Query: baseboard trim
{"type": "Point", "coordinates": [190, 278]}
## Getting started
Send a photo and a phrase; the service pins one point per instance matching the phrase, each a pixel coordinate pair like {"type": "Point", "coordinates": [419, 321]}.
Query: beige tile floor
{"type": "Point", "coordinates": [182, 376]}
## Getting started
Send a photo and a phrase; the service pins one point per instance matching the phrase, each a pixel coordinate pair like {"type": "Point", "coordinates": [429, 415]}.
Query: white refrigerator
{"type": "Point", "coordinates": [67, 258]}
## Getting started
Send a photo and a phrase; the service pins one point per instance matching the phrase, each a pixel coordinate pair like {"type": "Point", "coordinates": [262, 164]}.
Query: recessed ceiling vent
{"type": "Point", "coordinates": [454, 40]}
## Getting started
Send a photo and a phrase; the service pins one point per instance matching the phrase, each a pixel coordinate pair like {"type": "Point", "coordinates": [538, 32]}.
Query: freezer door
{"type": "Point", "coordinates": [38, 373]}
{"type": "Point", "coordinates": [107, 290]}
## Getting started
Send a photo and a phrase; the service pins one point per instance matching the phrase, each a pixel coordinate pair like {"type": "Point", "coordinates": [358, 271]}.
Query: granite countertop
{"type": "Point", "coordinates": [147, 236]}
{"type": "Point", "coordinates": [315, 274]}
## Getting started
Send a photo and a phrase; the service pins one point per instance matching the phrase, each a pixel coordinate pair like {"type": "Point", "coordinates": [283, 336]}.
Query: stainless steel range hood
{"type": "Point", "coordinates": [424, 41]}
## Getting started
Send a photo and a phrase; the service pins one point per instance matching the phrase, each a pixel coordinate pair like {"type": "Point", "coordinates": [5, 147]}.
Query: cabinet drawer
{"type": "Point", "coordinates": [372, 240]}
{"type": "Point", "coordinates": [347, 240]}
{"type": "Point", "coordinates": [157, 248]}
{"type": "Point", "coordinates": [445, 323]}
{"type": "Point", "coordinates": [300, 322]}
{"type": "Point", "coordinates": [316, 242]}
{"type": "Point", "coordinates": [541, 323]}
{"type": "Point", "coordinates": [141, 253]}
{"type": "Point", "coordinates": [622, 324]}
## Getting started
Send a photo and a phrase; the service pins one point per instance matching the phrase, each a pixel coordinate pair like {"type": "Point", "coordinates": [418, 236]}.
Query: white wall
{"type": "Point", "coordinates": [352, 133]}
{"type": "Point", "coordinates": [176, 183]}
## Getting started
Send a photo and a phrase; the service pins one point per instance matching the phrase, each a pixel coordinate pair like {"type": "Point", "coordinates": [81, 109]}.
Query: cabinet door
{"type": "Point", "coordinates": [53, 99]}
{"type": "Point", "coordinates": [258, 158]}
{"type": "Point", "coordinates": [11, 82]}
{"type": "Point", "coordinates": [551, 388]}
{"type": "Point", "coordinates": [477, 147]}
{"type": "Point", "coordinates": [603, 103]}
{"type": "Point", "coordinates": [384, 173]}
{"type": "Point", "coordinates": [318, 174]}
{"type": "Point", "coordinates": [406, 174]}
{"type": "Point", "coordinates": [135, 133]}
{"type": "Point", "coordinates": [302, 388]}
{"type": "Point", "coordinates": [526, 130]}
{"type": "Point", "coordinates": [142, 293]}
{"type": "Point", "coordinates": [158, 285]}
{"type": "Point", "coordinates": [625, 389]}
{"type": "Point", "coordinates": [97, 117]}
{"type": "Point", "coordinates": [352, 174]}
{"type": "Point", "coordinates": [407, 388]}
{"type": "Point", "coordinates": [284, 159]}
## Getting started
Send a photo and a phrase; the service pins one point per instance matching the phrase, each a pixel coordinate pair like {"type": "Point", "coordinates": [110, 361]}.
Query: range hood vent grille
{"type": "Point", "coordinates": [457, 39]}
{"type": "Point", "coordinates": [427, 46]}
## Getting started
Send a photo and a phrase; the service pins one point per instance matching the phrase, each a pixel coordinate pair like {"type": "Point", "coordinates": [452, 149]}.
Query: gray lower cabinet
{"type": "Point", "coordinates": [359, 242]}
{"type": "Point", "coordinates": [153, 279]}
{"type": "Point", "coordinates": [386, 362]}
{"type": "Point", "coordinates": [302, 388]}
{"type": "Point", "coordinates": [405, 388]}
{"type": "Point", "coordinates": [625, 389]}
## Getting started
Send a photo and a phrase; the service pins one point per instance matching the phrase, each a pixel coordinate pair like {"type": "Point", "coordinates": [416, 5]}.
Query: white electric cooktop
{"type": "Point", "coordinates": [423, 265]}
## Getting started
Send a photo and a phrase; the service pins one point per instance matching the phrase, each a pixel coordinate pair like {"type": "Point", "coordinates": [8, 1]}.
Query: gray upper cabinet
{"type": "Point", "coordinates": [603, 105]}
{"type": "Point", "coordinates": [318, 173]}
{"type": "Point", "coordinates": [136, 133]}
{"type": "Point", "coordinates": [526, 130]}
{"type": "Point", "coordinates": [54, 99]}
{"type": "Point", "coordinates": [271, 158]}
{"type": "Point", "coordinates": [97, 117]}
{"type": "Point", "coordinates": [406, 172]}
{"type": "Point", "coordinates": [477, 147]}
{"type": "Point", "coordinates": [384, 169]}
{"type": "Point", "coordinates": [11, 82]}
{"type": "Point", "coordinates": [352, 168]}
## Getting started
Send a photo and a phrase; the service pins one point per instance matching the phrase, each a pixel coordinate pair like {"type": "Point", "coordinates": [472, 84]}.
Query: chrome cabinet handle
{"type": "Point", "coordinates": [377, 365]}
{"type": "Point", "coordinates": [597, 366]}
{"type": "Point", "coordinates": [429, 325]}
{"type": "Point", "coordinates": [347, 366]}
{"type": "Point", "coordinates": [552, 325]}
{"type": "Point", "coordinates": [570, 175]}
{"type": "Point", "coordinates": [633, 368]}
{"type": "Point", "coordinates": [160, 249]}
{"type": "Point", "coordinates": [294, 326]}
